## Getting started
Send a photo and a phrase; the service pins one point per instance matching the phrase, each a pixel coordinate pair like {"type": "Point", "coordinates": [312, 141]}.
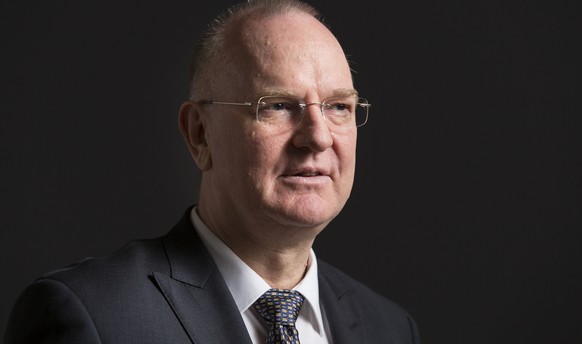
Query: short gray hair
{"type": "Point", "coordinates": [211, 47]}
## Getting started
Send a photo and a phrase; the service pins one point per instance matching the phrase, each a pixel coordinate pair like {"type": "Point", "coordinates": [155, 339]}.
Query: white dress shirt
{"type": "Point", "coordinates": [246, 286]}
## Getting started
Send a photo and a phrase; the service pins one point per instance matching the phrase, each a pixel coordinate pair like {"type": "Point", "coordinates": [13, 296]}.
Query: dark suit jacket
{"type": "Point", "coordinates": [169, 290]}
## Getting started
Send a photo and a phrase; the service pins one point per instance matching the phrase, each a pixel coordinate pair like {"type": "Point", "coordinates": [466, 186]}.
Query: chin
{"type": "Point", "coordinates": [308, 214]}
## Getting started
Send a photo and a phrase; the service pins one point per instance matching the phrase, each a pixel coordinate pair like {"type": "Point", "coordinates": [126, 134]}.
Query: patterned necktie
{"type": "Point", "coordinates": [280, 308]}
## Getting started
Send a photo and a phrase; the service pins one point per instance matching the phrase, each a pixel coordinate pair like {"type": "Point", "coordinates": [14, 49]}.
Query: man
{"type": "Point", "coordinates": [272, 124]}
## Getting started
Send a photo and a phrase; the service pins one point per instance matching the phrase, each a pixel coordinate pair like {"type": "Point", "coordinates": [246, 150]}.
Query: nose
{"type": "Point", "coordinates": [313, 132]}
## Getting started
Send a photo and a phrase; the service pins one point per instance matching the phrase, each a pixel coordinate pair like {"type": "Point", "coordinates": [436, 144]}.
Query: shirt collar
{"type": "Point", "coordinates": [245, 285]}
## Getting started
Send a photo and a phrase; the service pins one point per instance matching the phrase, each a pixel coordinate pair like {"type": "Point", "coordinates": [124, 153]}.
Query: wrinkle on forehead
{"type": "Point", "coordinates": [272, 46]}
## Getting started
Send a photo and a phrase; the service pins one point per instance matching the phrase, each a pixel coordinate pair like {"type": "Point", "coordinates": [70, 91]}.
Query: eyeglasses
{"type": "Point", "coordinates": [287, 112]}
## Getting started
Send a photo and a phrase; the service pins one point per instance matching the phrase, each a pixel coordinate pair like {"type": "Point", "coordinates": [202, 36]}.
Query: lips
{"type": "Point", "coordinates": [307, 174]}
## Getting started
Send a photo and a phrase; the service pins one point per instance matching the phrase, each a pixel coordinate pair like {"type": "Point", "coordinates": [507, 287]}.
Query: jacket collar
{"type": "Point", "coordinates": [336, 295]}
{"type": "Point", "coordinates": [195, 287]}
{"type": "Point", "coordinates": [196, 290]}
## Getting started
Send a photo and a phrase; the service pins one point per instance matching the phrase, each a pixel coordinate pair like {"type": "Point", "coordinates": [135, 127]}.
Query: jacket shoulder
{"type": "Point", "coordinates": [377, 313]}
{"type": "Point", "coordinates": [344, 284]}
{"type": "Point", "coordinates": [135, 257]}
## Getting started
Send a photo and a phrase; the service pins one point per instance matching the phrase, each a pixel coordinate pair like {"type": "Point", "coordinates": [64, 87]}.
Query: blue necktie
{"type": "Point", "coordinates": [280, 309]}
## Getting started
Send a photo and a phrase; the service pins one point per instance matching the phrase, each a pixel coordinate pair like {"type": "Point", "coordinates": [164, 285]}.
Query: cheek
{"type": "Point", "coordinates": [261, 156]}
{"type": "Point", "coordinates": [346, 151]}
{"type": "Point", "coordinates": [264, 153]}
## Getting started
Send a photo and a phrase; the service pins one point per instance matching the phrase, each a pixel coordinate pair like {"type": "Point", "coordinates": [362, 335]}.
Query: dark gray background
{"type": "Point", "coordinates": [467, 202]}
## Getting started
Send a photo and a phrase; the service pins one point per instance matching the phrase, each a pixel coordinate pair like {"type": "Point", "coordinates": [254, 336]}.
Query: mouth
{"type": "Point", "coordinates": [306, 177]}
{"type": "Point", "coordinates": [308, 172]}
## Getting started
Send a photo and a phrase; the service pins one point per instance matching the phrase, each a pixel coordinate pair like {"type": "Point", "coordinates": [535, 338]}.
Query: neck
{"type": "Point", "coordinates": [280, 257]}
{"type": "Point", "coordinates": [281, 263]}
{"type": "Point", "coordinates": [283, 270]}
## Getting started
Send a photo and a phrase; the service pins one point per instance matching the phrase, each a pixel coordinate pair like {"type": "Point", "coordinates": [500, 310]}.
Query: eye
{"type": "Point", "coordinates": [339, 107]}
{"type": "Point", "coordinates": [278, 104]}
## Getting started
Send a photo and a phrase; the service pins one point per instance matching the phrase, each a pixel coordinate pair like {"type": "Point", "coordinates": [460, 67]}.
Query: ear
{"type": "Point", "coordinates": [194, 133]}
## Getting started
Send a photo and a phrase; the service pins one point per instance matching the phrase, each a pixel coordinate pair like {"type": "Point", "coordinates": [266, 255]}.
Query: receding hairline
{"type": "Point", "coordinates": [211, 47]}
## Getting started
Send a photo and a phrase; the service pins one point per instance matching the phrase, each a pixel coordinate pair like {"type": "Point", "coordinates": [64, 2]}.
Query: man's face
{"type": "Point", "coordinates": [296, 178]}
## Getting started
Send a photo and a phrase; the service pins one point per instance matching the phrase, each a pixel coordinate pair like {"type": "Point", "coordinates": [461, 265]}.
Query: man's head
{"type": "Point", "coordinates": [255, 174]}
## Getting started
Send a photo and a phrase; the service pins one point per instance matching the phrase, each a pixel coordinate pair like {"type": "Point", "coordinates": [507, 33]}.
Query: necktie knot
{"type": "Point", "coordinates": [280, 308]}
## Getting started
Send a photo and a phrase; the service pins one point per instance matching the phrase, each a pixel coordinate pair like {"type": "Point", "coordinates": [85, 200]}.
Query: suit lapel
{"type": "Point", "coordinates": [199, 297]}
{"type": "Point", "coordinates": [340, 307]}
{"type": "Point", "coordinates": [196, 290]}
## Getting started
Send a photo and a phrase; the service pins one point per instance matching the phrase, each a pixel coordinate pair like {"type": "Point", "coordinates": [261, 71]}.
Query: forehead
{"type": "Point", "coordinates": [288, 51]}
{"type": "Point", "coordinates": [267, 31]}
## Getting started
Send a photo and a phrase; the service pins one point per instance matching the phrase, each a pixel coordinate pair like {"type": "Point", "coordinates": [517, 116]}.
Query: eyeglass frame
{"type": "Point", "coordinates": [302, 104]}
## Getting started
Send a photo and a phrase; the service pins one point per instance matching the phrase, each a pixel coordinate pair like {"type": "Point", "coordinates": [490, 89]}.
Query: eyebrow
{"type": "Point", "coordinates": [279, 92]}
{"type": "Point", "coordinates": [344, 92]}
